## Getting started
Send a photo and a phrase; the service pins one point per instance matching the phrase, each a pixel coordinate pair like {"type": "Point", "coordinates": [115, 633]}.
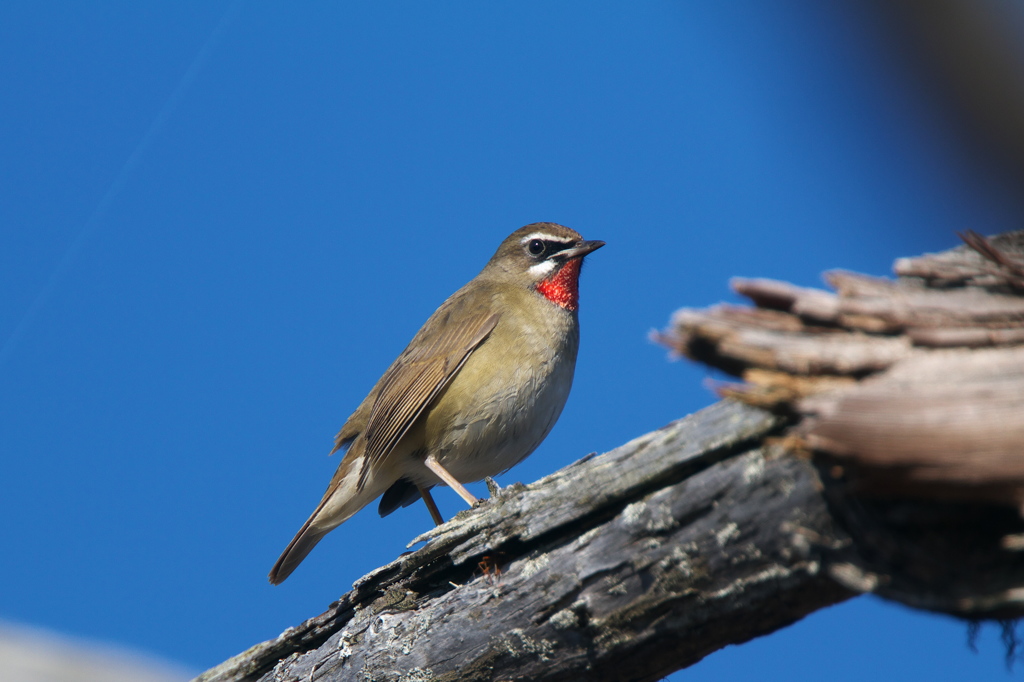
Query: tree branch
{"type": "Point", "coordinates": [697, 528]}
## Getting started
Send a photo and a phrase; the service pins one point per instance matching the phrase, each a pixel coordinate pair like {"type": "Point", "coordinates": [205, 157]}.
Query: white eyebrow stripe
{"type": "Point", "coordinates": [548, 237]}
{"type": "Point", "coordinates": [542, 268]}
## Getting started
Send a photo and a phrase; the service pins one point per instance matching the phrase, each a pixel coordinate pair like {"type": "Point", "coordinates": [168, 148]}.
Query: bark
{"type": "Point", "coordinates": [910, 394]}
{"type": "Point", "coordinates": [855, 466]}
{"type": "Point", "coordinates": [698, 528]}
{"type": "Point", "coordinates": [917, 384]}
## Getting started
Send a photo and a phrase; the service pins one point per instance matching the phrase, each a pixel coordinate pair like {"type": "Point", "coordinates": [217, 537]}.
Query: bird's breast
{"type": "Point", "coordinates": [507, 396]}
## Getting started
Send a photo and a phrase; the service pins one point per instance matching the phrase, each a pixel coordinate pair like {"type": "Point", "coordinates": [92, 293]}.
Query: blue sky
{"type": "Point", "coordinates": [222, 220]}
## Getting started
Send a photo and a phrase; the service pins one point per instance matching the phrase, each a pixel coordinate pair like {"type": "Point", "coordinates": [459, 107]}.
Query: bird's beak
{"type": "Point", "coordinates": [580, 250]}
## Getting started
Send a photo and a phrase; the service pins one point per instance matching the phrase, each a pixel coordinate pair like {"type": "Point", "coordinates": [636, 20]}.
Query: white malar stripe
{"type": "Point", "coordinates": [541, 269]}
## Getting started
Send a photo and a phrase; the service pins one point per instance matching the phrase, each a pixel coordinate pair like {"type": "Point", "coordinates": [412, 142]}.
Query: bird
{"type": "Point", "coordinates": [477, 389]}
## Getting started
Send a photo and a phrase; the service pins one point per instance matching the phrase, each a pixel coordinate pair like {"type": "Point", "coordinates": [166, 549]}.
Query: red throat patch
{"type": "Point", "coordinates": [563, 288]}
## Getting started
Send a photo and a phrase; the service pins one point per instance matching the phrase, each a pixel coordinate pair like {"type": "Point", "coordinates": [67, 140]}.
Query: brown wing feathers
{"type": "Point", "coordinates": [406, 390]}
{"type": "Point", "coordinates": [414, 381]}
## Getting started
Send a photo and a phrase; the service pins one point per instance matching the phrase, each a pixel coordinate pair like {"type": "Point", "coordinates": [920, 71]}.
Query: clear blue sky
{"type": "Point", "coordinates": [220, 222]}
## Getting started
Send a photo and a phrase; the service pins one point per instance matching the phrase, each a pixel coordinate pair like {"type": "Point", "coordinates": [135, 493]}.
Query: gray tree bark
{"type": "Point", "coordinates": [621, 567]}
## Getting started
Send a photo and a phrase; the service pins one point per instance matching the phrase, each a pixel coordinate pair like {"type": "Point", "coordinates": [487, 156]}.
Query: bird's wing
{"type": "Point", "coordinates": [422, 371]}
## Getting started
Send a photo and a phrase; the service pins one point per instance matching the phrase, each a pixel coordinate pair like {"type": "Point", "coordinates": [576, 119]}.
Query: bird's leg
{"type": "Point", "coordinates": [443, 474]}
{"type": "Point", "coordinates": [431, 507]}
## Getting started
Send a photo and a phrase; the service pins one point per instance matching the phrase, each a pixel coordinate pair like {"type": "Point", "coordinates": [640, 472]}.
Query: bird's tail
{"type": "Point", "coordinates": [301, 545]}
{"type": "Point", "coordinates": [344, 497]}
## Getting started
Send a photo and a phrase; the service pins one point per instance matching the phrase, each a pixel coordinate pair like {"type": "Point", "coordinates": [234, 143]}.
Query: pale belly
{"type": "Point", "coordinates": [509, 411]}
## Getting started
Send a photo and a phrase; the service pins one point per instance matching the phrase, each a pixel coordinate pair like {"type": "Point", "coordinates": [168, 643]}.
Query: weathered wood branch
{"type": "Point", "coordinates": [917, 383]}
{"type": "Point", "coordinates": [730, 523]}
{"type": "Point", "coordinates": [911, 392]}
{"type": "Point", "coordinates": [697, 529]}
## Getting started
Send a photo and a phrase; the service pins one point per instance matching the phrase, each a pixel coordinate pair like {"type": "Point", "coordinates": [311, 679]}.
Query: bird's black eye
{"type": "Point", "coordinates": [536, 247]}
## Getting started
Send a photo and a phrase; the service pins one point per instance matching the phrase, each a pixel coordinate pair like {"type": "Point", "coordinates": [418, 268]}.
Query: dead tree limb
{"type": "Point", "coordinates": [910, 392]}
{"type": "Point", "coordinates": [728, 524]}
{"type": "Point", "coordinates": [621, 567]}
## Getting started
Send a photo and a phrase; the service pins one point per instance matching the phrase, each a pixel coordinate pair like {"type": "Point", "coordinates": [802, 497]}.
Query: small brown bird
{"type": "Point", "coordinates": [475, 391]}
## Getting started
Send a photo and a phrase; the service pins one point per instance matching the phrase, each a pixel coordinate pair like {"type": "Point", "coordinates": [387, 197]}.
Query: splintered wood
{"type": "Point", "coordinates": [915, 384]}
